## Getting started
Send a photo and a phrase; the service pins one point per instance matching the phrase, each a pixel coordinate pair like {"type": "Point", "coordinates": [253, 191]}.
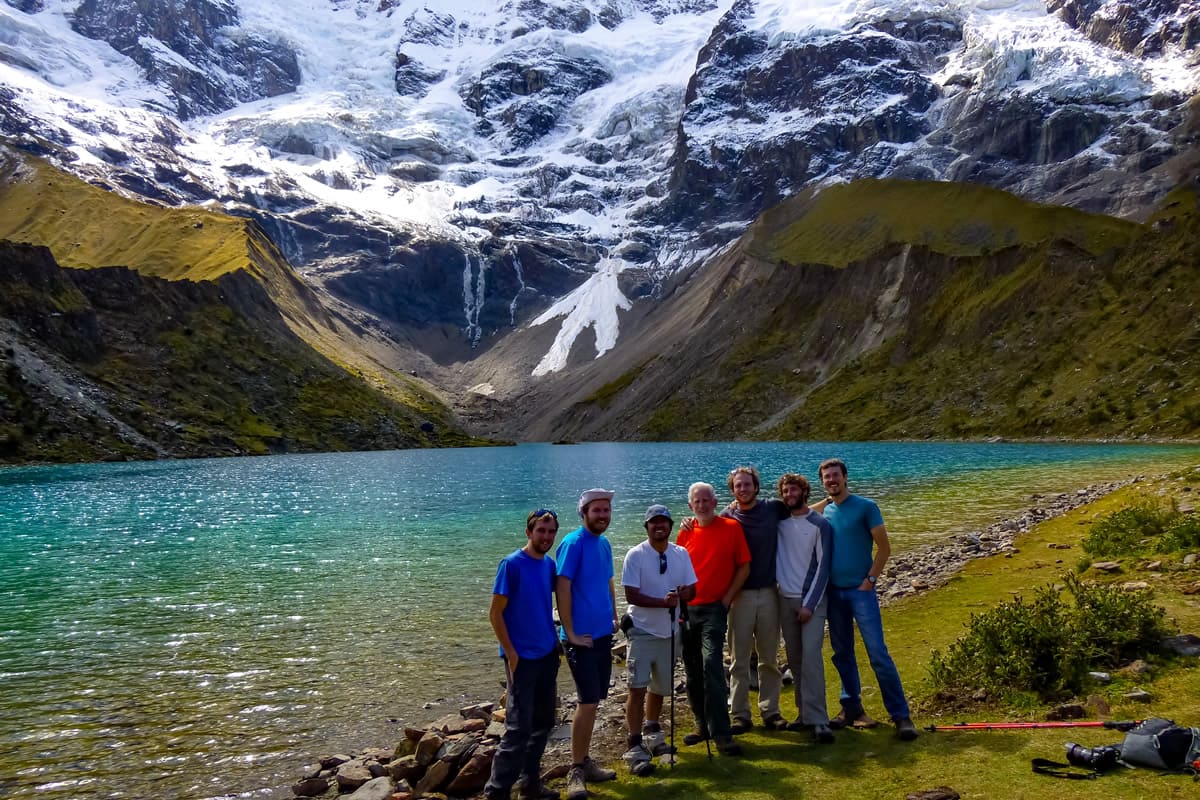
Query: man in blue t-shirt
{"type": "Point", "coordinates": [523, 618]}
{"type": "Point", "coordinates": [857, 530]}
{"type": "Point", "coordinates": [587, 608]}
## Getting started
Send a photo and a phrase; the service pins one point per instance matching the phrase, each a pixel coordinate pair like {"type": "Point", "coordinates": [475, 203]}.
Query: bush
{"type": "Point", "coordinates": [1141, 530]}
{"type": "Point", "coordinates": [1185, 535]}
{"type": "Point", "coordinates": [1129, 531]}
{"type": "Point", "coordinates": [1048, 646]}
{"type": "Point", "coordinates": [1114, 626]}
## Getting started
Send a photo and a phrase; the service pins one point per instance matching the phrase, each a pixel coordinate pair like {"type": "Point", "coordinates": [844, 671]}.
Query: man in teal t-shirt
{"type": "Point", "coordinates": [857, 530]}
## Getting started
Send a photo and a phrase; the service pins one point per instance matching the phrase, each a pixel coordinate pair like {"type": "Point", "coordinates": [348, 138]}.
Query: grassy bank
{"type": "Point", "coordinates": [873, 764]}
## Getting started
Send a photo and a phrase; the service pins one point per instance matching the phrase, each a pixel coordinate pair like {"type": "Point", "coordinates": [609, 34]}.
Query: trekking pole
{"type": "Point", "coordinates": [674, 631]}
{"type": "Point", "coordinates": [1019, 726]}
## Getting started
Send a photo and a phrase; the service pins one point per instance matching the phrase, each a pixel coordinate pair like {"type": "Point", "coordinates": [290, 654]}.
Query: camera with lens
{"type": "Point", "coordinates": [1096, 758]}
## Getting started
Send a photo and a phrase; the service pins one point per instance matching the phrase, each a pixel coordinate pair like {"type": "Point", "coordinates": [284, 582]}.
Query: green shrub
{"type": "Point", "coordinates": [1130, 531]}
{"type": "Point", "coordinates": [1183, 535]}
{"type": "Point", "coordinates": [1048, 646]}
{"type": "Point", "coordinates": [1114, 626]}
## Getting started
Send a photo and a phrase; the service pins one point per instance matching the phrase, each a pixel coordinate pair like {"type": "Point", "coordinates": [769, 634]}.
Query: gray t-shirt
{"type": "Point", "coordinates": [761, 526]}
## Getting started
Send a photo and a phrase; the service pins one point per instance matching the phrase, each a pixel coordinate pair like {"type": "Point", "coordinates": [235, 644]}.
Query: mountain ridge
{"type": "Point", "coordinates": [90, 373]}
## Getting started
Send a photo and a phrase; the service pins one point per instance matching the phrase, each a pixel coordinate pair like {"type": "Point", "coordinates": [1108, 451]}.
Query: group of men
{"type": "Point", "coordinates": [756, 571]}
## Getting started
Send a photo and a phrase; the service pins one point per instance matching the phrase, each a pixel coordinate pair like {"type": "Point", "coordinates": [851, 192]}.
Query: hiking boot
{"type": "Point", "coordinates": [728, 747]}
{"type": "Point", "coordinates": [860, 721]}
{"type": "Point", "coordinates": [576, 784]}
{"type": "Point", "coordinates": [595, 773]}
{"type": "Point", "coordinates": [775, 723]}
{"type": "Point", "coordinates": [534, 789]}
{"type": "Point", "coordinates": [639, 760]}
{"type": "Point", "coordinates": [696, 737]}
{"type": "Point", "coordinates": [823, 734]}
{"type": "Point", "coordinates": [740, 726]}
{"type": "Point", "coordinates": [905, 730]}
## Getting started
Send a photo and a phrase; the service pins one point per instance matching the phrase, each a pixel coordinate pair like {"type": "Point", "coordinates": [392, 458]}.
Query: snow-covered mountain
{"type": "Point", "coordinates": [463, 168]}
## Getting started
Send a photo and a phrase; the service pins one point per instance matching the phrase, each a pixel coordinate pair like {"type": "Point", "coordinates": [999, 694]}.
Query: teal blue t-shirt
{"type": "Point", "coordinates": [586, 560]}
{"type": "Point", "coordinates": [853, 547]}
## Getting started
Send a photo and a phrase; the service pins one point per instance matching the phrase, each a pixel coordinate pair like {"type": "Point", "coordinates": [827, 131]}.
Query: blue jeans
{"type": "Point", "coordinates": [532, 697]}
{"type": "Point", "coordinates": [847, 607]}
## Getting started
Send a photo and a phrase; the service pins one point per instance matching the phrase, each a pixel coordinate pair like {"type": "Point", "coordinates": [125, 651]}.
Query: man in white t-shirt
{"type": "Point", "coordinates": [657, 575]}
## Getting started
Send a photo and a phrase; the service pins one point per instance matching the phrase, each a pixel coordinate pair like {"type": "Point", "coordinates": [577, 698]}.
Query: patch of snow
{"type": "Point", "coordinates": [594, 304]}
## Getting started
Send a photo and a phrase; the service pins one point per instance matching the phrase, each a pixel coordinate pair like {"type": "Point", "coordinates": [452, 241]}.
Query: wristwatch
{"type": "Point", "coordinates": [871, 579]}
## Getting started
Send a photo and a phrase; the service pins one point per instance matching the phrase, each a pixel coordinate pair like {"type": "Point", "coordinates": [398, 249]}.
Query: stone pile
{"type": "Point", "coordinates": [452, 757]}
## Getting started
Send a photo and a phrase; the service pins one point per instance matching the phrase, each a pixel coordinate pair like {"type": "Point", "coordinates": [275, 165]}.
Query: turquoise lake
{"type": "Point", "coordinates": [203, 629]}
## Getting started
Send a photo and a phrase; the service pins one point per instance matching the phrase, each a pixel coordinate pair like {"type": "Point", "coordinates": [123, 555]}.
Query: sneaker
{"type": "Point", "coordinates": [639, 760]}
{"type": "Point", "coordinates": [740, 726]}
{"type": "Point", "coordinates": [775, 723]}
{"type": "Point", "coordinates": [695, 738]}
{"type": "Point", "coordinates": [861, 721]}
{"type": "Point", "coordinates": [728, 747]}
{"type": "Point", "coordinates": [534, 789]}
{"type": "Point", "coordinates": [576, 784]}
{"type": "Point", "coordinates": [823, 734]}
{"type": "Point", "coordinates": [662, 749]}
{"type": "Point", "coordinates": [656, 742]}
{"type": "Point", "coordinates": [595, 773]}
{"type": "Point", "coordinates": [905, 730]}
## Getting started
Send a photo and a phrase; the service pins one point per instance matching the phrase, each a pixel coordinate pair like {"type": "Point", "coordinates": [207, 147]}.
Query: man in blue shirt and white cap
{"type": "Point", "coordinates": [587, 608]}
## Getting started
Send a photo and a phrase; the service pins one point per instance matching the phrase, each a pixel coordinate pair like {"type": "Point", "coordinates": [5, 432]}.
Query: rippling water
{"type": "Point", "coordinates": [198, 629]}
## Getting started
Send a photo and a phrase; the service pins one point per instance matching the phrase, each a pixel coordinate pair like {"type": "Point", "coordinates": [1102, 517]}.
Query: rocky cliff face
{"type": "Point", "coordinates": [195, 50]}
{"type": "Point", "coordinates": [912, 96]}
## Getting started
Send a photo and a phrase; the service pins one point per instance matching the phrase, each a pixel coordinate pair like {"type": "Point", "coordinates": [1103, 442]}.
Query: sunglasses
{"type": "Point", "coordinates": [543, 512]}
{"type": "Point", "coordinates": [662, 563]}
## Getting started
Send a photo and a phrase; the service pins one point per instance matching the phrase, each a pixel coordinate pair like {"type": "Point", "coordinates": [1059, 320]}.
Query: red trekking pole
{"type": "Point", "coordinates": [1025, 726]}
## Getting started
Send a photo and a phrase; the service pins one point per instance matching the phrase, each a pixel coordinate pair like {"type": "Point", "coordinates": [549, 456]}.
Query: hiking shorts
{"type": "Point", "coordinates": [591, 667]}
{"type": "Point", "coordinates": [649, 662]}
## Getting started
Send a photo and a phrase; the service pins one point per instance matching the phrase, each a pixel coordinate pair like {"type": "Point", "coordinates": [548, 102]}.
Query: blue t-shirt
{"type": "Point", "coordinates": [528, 583]}
{"type": "Point", "coordinates": [586, 560]}
{"type": "Point", "coordinates": [853, 546]}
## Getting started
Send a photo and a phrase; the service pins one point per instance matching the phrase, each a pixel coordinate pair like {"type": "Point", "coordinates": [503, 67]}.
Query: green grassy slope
{"type": "Point", "coordinates": [108, 363]}
{"type": "Point", "coordinates": [85, 226]}
{"type": "Point", "coordinates": [895, 309]}
{"type": "Point", "coordinates": [1063, 343]}
{"type": "Point", "coordinates": [211, 345]}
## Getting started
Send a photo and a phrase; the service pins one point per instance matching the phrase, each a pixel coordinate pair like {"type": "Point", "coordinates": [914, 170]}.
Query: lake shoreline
{"type": "Point", "coordinates": [932, 565]}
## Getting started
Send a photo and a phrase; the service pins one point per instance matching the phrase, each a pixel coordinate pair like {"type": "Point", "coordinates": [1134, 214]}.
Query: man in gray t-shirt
{"type": "Point", "coordinates": [802, 569]}
{"type": "Point", "coordinates": [754, 616]}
